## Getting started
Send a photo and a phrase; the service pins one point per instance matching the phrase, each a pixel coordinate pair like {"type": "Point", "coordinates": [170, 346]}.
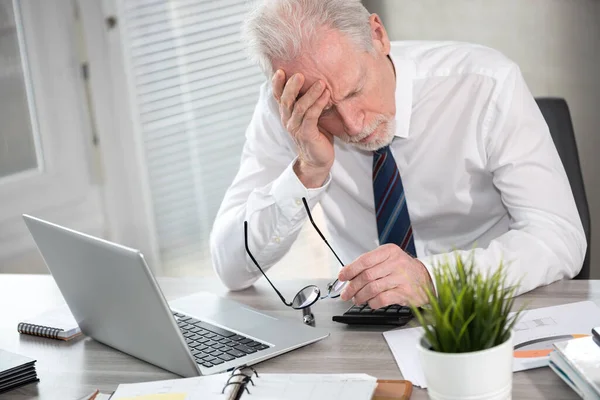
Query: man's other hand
{"type": "Point", "coordinates": [384, 276]}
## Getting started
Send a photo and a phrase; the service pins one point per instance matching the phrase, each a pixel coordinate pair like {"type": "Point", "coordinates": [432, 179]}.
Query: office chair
{"type": "Point", "coordinates": [557, 116]}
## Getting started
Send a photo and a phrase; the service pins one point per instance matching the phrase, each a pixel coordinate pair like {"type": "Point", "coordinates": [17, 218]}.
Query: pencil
{"type": "Point", "coordinates": [90, 396]}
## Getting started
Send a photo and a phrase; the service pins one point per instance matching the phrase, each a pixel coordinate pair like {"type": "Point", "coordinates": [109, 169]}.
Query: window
{"type": "Point", "coordinates": [19, 148]}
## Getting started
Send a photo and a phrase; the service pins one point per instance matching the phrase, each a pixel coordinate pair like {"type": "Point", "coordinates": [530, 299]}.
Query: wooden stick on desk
{"type": "Point", "coordinates": [91, 396]}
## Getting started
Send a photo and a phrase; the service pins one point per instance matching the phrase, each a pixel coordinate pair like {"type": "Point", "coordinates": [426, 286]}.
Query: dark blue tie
{"type": "Point", "coordinates": [393, 221]}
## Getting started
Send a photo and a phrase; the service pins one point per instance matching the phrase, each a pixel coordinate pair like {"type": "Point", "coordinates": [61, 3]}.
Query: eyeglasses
{"type": "Point", "coordinates": [308, 295]}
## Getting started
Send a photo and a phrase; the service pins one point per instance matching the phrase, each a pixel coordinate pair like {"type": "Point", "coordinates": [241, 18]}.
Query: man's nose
{"type": "Point", "coordinates": [352, 118]}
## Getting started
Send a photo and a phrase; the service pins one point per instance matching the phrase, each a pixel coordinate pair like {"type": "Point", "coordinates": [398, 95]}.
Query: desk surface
{"type": "Point", "coordinates": [69, 370]}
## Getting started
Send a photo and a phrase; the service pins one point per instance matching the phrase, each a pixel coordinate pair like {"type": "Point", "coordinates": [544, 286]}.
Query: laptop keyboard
{"type": "Point", "coordinates": [211, 345]}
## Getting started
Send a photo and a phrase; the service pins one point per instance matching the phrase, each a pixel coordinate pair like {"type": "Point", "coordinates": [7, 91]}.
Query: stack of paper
{"type": "Point", "coordinates": [15, 371]}
{"type": "Point", "coordinates": [577, 362]}
{"type": "Point", "coordinates": [534, 335]}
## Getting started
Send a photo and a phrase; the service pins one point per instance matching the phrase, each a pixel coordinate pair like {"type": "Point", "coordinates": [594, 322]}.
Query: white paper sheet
{"type": "Point", "coordinates": [266, 387]}
{"type": "Point", "coordinates": [314, 387]}
{"type": "Point", "coordinates": [533, 336]}
{"type": "Point", "coordinates": [403, 344]}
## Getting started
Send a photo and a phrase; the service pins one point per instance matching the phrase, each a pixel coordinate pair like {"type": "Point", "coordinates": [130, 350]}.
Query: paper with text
{"type": "Point", "coordinates": [313, 387]}
{"type": "Point", "coordinates": [163, 396]}
{"type": "Point", "coordinates": [266, 387]}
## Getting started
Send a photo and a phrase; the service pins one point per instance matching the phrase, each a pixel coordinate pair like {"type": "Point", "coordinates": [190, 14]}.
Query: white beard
{"type": "Point", "coordinates": [385, 136]}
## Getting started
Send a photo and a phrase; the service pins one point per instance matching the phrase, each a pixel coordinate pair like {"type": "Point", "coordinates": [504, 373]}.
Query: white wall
{"type": "Point", "coordinates": [555, 42]}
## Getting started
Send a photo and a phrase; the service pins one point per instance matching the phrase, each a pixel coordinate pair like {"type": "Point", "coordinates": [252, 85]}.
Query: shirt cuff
{"type": "Point", "coordinates": [288, 191]}
{"type": "Point", "coordinates": [428, 263]}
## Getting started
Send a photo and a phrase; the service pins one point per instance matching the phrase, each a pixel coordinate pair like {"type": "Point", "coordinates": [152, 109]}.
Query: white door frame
{"type": "Point", "coordinates": [62, 188]}
{"type": "Point", "coordinates": [127, 197]}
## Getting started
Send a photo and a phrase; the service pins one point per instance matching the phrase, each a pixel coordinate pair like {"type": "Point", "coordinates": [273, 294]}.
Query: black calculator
{"type": "Point", "coordinates": [364, 315]}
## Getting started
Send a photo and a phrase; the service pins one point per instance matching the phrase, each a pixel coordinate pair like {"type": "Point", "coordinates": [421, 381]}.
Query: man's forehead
{"type": "Point", "coordinates": [340, 77]}
{"type": "Point", "coordinates": [334, 59]}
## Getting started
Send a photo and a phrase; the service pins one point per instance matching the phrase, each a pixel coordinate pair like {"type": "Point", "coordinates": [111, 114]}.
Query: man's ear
{"type": "Point", "coordinates": [379, 35]}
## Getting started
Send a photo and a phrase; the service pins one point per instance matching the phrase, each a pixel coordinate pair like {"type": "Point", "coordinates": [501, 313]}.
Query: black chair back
{"type": "Point", "coordinates": [557, 116]}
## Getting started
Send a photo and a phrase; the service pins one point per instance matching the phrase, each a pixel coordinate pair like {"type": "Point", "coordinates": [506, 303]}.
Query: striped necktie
{"type": "Point", "coordinates": [393, 221]}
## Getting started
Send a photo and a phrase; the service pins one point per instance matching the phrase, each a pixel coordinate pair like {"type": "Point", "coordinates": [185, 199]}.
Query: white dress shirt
{"type": "Point", "coordinates": [479, 168]}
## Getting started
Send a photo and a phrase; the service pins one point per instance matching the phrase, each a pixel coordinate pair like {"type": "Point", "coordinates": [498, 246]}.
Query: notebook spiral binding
{"type": "Point", "coordinates": [245, 372]}
{"type": "Point", "coordinates": [38, 330]}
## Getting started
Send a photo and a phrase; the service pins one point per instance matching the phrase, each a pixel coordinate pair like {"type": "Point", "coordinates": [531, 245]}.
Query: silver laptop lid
{"type": "Point", "coordinates": [113, 296]}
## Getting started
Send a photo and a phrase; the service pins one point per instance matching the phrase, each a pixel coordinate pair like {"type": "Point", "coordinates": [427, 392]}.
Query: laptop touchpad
{"type": "Point", "coordinates": [210, 307]}
{"type": "Point", "coordinates": [241, 318]}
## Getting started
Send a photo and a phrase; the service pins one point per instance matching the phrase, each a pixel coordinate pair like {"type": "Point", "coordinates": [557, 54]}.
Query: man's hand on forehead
{"type": "Point", "coordinates": [300, 116]}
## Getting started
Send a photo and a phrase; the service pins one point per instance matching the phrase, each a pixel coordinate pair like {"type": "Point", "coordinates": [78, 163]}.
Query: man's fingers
{"type": "Point", "coordinates": [277, 82]}
{"type": "Point", "coordinates": [289, 95]}
{"type": "Point", "coordinates": [304, 104]}
{"type": "Point", "coordinates": [365, 278]}
{"type": "Point", "coordinates": [374, 289]}
{"type": "Point", "coordinates": [387, 298]}
{"type": "Point", "coordinates": [314, 112]}
{"type": "Point", "coordinates": [364, 262]}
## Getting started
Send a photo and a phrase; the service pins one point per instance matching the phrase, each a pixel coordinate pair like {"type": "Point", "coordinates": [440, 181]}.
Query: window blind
{"type": "Point", "coordinates": [195, 92]}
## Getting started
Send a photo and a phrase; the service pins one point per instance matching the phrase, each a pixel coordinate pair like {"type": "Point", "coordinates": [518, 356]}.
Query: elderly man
{"type": "Point", "coordinates": [413, 150]}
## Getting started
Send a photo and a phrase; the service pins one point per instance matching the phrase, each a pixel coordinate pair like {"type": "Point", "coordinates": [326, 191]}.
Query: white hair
{"type": "Point", "coordinates": [282, 29]}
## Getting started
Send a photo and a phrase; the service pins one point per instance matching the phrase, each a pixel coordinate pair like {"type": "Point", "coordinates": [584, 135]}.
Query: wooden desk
{"type": "Point", "coordinates": [72, 369]}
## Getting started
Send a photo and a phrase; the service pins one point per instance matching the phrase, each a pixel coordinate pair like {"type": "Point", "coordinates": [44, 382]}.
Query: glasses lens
{"type": "Point", "coordinates": [335, 289]}
{"type": "Point", "coordinates": [306, 297]}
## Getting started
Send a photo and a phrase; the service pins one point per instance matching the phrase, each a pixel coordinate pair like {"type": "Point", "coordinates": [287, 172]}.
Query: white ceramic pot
{"type": "Point", "coordinates": [479, 375]}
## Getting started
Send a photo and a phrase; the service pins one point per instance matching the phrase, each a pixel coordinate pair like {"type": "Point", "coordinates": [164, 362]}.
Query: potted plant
{"type": "Point", "coordinates": [466, 350]}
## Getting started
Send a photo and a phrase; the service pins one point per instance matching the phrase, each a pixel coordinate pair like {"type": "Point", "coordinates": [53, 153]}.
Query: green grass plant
{"type": "Point", "coordinates": [471, 310]}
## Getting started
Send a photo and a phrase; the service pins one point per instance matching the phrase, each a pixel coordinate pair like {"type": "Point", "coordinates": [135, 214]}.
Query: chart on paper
{"type": "Point", "coordinates": [538, 329]}
{"type": "Point", "coordinates": [539, 347]}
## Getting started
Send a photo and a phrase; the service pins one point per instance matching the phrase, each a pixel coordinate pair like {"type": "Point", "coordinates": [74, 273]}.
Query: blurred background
{"type": "Point", "coordinates": [125, 119]}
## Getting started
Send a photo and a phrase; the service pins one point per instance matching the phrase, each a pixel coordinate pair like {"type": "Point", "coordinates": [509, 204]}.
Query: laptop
{"type": "Point", "coordinates": [116, 300]}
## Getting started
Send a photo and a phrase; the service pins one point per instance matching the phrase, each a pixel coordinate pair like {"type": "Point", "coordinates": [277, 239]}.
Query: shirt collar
{"type": "Point", "coordinates": [405, 72]}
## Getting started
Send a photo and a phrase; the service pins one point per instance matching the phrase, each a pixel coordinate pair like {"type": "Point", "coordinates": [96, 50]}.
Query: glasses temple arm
{"type": "Point", "coordinates": [258, 266]}
{"type": "Point", "coordinates": [318, 230]}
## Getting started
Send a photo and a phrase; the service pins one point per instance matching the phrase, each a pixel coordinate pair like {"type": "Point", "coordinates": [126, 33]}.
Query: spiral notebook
{"type": "Point", "coordinates": [57, 323]}
{"type": "Point", "coordinates": [245, 382]}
